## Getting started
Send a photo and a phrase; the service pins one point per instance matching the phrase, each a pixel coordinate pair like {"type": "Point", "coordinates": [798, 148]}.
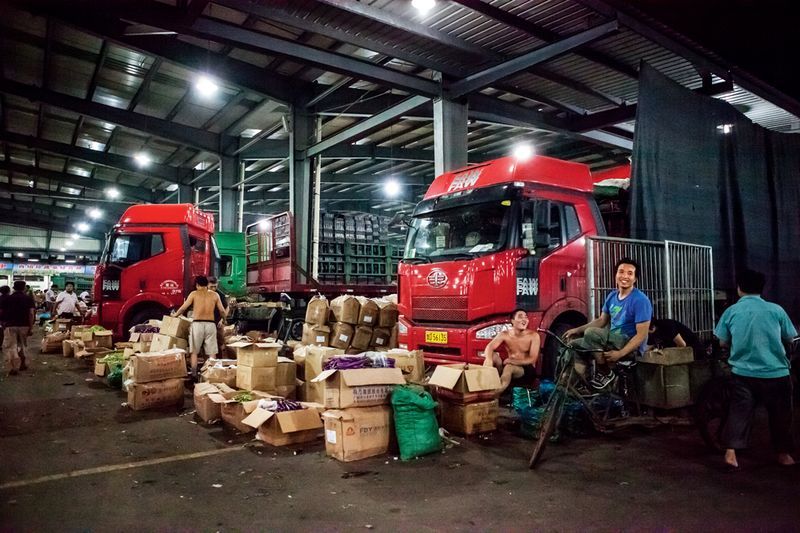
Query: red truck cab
{"type": "Point", "coordinates": [487, 239]}
{"type": "Point", "coordinates": [150, 258]}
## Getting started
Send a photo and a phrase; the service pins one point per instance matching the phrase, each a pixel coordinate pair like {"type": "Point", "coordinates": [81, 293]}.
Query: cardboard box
{"type": "Point", "coordinates": [380, 338]}
{"type": "Point", "coordinates": [53, 343]}
{"type": "Point", "coordinates": [353, 434]}
{"type": "Point", "coordinates": [668, 356]}
{"type": "Point", "coordinates": [162, 342]}
{"type": "Point", "coordinates": [142, 347]}
{"type": "Point", "coordinates": [92, 353]}
{"type": "Point", "coordinates": [256, 378]}
{"type": "Point", "coordinates": [257, 354]}
{"type": "Point", "coordinates": [315, 357]}
{"type": "Point", "coordinates": [346, 309]}
{"type": "Point", "coordinates": [287, 391]}
{"type": "Point", "coordinates": [157, 366]}
{"type": "Point", "coordinates": [469, 419]}
{"type": "Point", "coordinates": [233, 412]}
{"type": "Point", "coordinates": [317, 311]}
{"type": "Point", "coordinates": [389, 313]}
{"type": "Point", "coordinates": [175, 326]}
{"type": "Point", "coordinates": [393, 337]}
{"type": "Point", "coordinates": [219, 371]}
{"type": "Point", "coordinates": [341, 335]}
{"type": "Point", "coordinates": [369, 313]}
{"type": "Point", "coordinates": [103, 339]}
{"type": "Point", "coordinates": [664, 386]}
{"type": "Point", "coordinates": [286, 374]}
{"type": "Point", "coordinates": [207, 410]}
{"type": "Point", "coordinates": [77, 331]}
{"type": "Point", "coordinates": [100, 369]}
{"type": "Point", "coordinates": [362, 387]}
{"type": "Point", "coordinates": [62, 324]}
{"type": "Point", "coordinates": [412, 364]}
{"type": "Point", "coordinates": [288, 427]}
{"type": "Point", "coordinates": [361, 338]}
{"type": "Point", "coordinates": [463, 378]}
{"type": "Point", "coordinates": [70, 347]}
{"type": "Point", "coordinates": [142, 337]}
{"type": "Point", "coordinates": [155, 394]}
{"type": "Point", "coordinates": [315, 335]}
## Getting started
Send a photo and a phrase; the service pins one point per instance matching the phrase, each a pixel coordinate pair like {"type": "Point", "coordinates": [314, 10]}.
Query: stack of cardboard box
{"type": "Point", "coordinates": [173, 333]}
{"type": "Point", "coordinates": [358, 416]}
{"type": "Point", "coordinates": [256, 365]}
{"type": "Point", "coordinates": [155, 379]}
{"type": "Point", "coordinates": [466, 395]}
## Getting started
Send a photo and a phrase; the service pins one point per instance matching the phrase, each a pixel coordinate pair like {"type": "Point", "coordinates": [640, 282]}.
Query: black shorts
{"type": "Point", "coordinates": [529, 373]}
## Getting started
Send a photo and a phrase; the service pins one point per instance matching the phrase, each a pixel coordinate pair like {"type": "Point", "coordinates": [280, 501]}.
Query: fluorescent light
{"type": "Point", "coordinates": [112, 193]}
{"type": "Point", "coordinates": [725, 128]}
{"type": "Point", "coordinates": [172, 187]}
{"type": "Point", "coordinates": [70, 261]}
{"type": "Point", "coordinates": [32, 260]}
{"type": "Point", "coordinates": [142, 159]}
{"type": "Point", "coordinates": [69, 243]}
{"type": "Point", "coordinates": [206, 86]}
{"type": "Point", "coordinates": [62, 249]}
{"type": "Point", "coordinates": [95, 213]}
{"type": "Point", "coordinates": [523, 151]}
{"type": "Point", "coordinates": [20, 255]}
{"type": "Point", "coordinates": [391, 187]}
{"type": "Point", "coordinates": [423, 6]}
{"type": "Point", "coordinates": [83, 227]}
{"type": "Point", "coordinates": [263, 224]}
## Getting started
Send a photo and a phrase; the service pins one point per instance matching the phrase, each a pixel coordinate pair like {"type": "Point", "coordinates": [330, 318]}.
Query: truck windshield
{"type": "Point", "coordinates": [465, 231]}
{"type": "Point", "coordinates": [128, 249]}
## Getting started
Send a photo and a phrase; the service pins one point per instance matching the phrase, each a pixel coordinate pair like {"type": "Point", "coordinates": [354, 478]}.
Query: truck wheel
{"type": "Point", "coordinates": [143, 315]}
{"type": "Point", "coordinates": [296, 333]}
{"type": "Point", "coordinates": [551, 347]}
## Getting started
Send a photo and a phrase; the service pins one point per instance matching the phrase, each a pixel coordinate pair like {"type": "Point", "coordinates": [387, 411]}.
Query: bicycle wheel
{"type": "Point", "coordinates": [711, 412]}
{"type": "Point", "coordinates": [549, 422]}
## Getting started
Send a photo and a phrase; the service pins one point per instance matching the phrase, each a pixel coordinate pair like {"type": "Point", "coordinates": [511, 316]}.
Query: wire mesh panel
{"type": "Point", "coordinates": [677, 277]}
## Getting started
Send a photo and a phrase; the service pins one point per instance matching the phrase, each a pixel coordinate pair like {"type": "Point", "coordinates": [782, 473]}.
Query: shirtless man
{"type": "Point", "coordinates": [203, 333]}
{"type": "Point", "coordinates": [522, 345]}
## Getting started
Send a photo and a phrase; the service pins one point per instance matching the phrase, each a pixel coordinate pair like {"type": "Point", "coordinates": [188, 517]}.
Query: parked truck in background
{"type": "Point", "coordinates": [232, 263]}
{"type": "Point", "coordinates": [151, 257]}
{"type": "Point", "coordinates": [508, 234]}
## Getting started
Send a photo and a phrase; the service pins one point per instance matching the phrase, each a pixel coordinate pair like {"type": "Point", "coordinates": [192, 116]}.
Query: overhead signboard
{"type": "Point", "coordinates": [49, 270]}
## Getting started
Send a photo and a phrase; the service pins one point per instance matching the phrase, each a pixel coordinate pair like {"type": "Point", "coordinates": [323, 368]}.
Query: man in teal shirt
{"type": "Point", "coordinates": [755, 330]}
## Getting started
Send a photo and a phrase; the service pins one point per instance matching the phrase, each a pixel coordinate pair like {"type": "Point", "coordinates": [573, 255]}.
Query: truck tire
{"type": "Point", "coordinates": [296, 331]}
{"type": "Point", "coordinates": [551, 347]}
{"type": "Point", "coordinates": [143, 315]}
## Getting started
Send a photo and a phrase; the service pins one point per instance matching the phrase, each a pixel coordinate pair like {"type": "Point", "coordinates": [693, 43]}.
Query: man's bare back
{"type": "Point", "coordinates": [203, 304]}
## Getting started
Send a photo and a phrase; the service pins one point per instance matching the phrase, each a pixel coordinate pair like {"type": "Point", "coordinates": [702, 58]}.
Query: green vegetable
{"type": "Point", "coordinates": [113, 358]}
{"type": "Point", "coordinates": [244, 396]}
{"type": "Point", "coordinates": [96, 328]}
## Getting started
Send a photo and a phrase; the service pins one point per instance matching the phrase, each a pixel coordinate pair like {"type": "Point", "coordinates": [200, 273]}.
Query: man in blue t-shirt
{"type": "Point", "coordinates": [755, 330]}
{"type": "Point", "coordinates": [620, 330]}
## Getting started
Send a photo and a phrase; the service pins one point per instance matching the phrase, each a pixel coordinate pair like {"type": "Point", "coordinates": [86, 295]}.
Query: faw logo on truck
{"type": "Point", "coordinates": [437, 278]}
{"type": "Point", "coordinates": [465, 180]}
{"type": "Point", "coordinates": [527, 287]}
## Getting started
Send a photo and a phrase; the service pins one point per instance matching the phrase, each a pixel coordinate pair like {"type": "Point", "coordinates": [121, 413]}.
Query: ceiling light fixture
{"type": "Point", "coordinates": [83, 227]}
{"type": "Point", "coordinates": [206, 86]}
{"type": "Point", "coordinates": [112, 193]}
{"type": "Point", "coordinates": [172, 187]}
{"type": "Point", "coordinates": [423, 6]}
{"type": "Point", "coordinates": [142, 159]}
{"type": "Point", "coordinates": [391, 187]}
{"type": "Point", "coordinates": [523, 151]}
{"type": "Point", "coordinates": [95, 213]}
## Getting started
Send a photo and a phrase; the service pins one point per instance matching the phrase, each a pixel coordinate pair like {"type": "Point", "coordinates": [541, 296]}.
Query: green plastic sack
{"type": "Point", "coordinates": [114, 376]}
{"type": "Point", "coordinates": [415, 422]}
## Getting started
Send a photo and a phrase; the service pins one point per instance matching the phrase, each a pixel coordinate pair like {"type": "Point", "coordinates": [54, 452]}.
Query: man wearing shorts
{"type": "Point", "coordinates": [522, 345]}
{"type": "Point", "coordinates": [203, 333]}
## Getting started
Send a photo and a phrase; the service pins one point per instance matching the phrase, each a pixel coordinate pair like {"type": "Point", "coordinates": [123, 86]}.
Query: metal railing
{"type": "Point", "coordinates": [677, 277]}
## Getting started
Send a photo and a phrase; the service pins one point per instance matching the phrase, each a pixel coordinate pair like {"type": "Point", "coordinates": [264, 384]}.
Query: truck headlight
{"type": "Point", "coordinates": [490, 332]}
{"type": "Point", "coordinates": [402, 329]}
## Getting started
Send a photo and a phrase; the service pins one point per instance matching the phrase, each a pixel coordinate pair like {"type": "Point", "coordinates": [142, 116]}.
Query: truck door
{"type": "Point", "coordinates": [139, 262]}
{"type": "Point", "coordinates": [550, 271]}
{"type": "Point", "coordinates": [199, 256]}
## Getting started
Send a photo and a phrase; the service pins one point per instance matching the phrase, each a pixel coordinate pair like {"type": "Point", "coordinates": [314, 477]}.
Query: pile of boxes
{"type": "Point", "coordinates": [466, 396]}
{"type": "Point", "coordinates": [86, 342]}
{"type": "Point", "coordinates": [155, 379]}
{"type": "Point", "coordinates": [365, 227]}
{"type": "Point", "coordinates": [351, 323]}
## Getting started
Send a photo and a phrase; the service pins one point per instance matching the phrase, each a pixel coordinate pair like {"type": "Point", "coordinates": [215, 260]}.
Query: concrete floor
{"type": "Point", "coordinates": [58, 420]}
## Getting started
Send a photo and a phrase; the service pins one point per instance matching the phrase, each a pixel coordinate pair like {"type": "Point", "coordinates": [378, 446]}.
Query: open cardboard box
{"type": "Point", "coordinates": [207, 410]}
{"type": "Point", "coordinates": [462, 378]}
{"type": "Point", "coordinates": [256, 354]}
{"type": "Point", "coordinates": [288, 427]}
{"type": "Point", "coordinates": [361, 387]}
{"type": "Point", "coordinates": [233, 412]}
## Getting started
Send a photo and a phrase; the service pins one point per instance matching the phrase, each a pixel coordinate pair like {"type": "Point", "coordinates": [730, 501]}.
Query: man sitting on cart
{"type": "Point", "coordinates": [522, 345]}
{"type": "Point", "coordinates": [621, 329]}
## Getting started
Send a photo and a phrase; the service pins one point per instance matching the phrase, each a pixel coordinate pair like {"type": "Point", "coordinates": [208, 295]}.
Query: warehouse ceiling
{"type": "Point", "coordinates": [103, 105]}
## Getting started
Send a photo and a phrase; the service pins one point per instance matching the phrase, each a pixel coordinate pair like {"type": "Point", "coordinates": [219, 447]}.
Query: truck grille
{"type": "Point", "coordinates": [440, 308]}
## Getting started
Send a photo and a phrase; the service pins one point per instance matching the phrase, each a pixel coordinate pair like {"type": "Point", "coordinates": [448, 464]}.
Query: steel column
{"type": "Point", "coordinates": [228, 172]}
{"type": "Point", "coordinates": [449, 135]}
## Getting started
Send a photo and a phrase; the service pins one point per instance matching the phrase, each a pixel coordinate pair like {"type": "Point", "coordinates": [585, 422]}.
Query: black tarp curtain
{"type": "Point", "coordinates": [738, 192]}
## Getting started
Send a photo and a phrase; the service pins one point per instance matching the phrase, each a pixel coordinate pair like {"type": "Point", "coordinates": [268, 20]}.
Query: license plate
{"type": "Point", "coordinates": [436, 337]}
